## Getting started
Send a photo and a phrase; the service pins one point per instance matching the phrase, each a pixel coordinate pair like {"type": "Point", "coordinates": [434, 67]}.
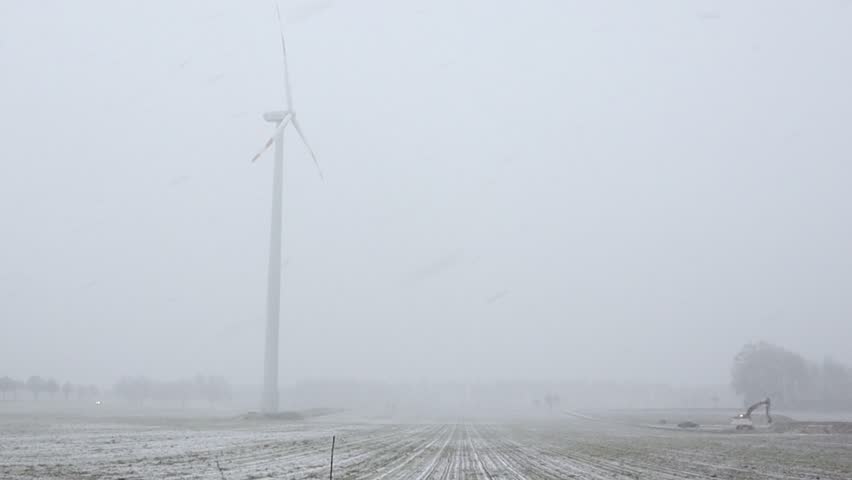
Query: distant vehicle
{"type": "Point", "coordinates": [743, 420]}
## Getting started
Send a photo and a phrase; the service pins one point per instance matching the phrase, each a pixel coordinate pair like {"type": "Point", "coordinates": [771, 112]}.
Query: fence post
{"type": "Point", "coordinates": [331, 466]}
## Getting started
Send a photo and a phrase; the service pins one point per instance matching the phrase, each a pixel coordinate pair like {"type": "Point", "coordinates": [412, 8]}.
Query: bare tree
{"type": "Point", "coordinates": [184, 389]}
{"type": "Point", "coordinates": [82, 392]}
{"type": "Point", "coordinates": [6, 385]}
{"type": "Point", "coordinates": [17, 385]}
{"type": "Point", "coordinates": [52, 387]}
{"type": "Point", "coordinates": [762, 369]}
{"type": "Point", "coordinates": [835, 385]}
{"type": "Point", "coordinates": [36, 385]}
{"type": "Point", "coordinates": [67, 388]}
{"type": "Point", "coordinates": [139, 389]}
{"type": "Point", "coordinates": [551, 400]}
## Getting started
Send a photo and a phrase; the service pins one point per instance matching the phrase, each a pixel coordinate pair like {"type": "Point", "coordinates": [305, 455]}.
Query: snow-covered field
{"type": "Point", "coordinates": [554, 448]}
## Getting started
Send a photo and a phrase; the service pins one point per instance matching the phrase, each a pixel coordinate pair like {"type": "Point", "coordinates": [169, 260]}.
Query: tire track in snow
{"type": "Point", "coordinates": [437, 460]}
{"type": "Point", "coordinates": [480, 465]}
{"type": "Point", "coordinates": [402, 460]}
{"type": "Point", "coordinates": [498, 458]}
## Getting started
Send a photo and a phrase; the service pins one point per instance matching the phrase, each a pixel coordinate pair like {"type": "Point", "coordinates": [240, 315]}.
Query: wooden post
{"type": "Point", "coordinates": [331, 467]}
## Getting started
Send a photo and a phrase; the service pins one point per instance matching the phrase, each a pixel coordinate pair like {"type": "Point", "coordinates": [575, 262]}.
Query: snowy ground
{"type": "Point", "coordinates": [556, 448]}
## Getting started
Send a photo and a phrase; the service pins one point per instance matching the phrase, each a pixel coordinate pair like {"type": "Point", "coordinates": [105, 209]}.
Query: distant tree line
{"type": "Point", "coordinates": [139, 390]}
{"type": "Point", "coordinates": [763, 370]}
{"type": "Point", "coordinates": [39, 387]}
{"type": "Point", "coordinates": [551, 401]}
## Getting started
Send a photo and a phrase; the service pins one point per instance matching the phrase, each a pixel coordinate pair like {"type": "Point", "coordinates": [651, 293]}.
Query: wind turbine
{"type": "Point", "coordinates": [282, 119]}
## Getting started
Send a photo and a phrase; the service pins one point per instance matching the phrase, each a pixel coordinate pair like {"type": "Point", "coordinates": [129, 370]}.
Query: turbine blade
{"type": "Point", "coordinates": [281, 126]}
{"type": "Point", "coordinates": [288, 96]}
{"type": "Point", "coordinates": [308, 146]}
{"type": "Point", "coordinates": [264, 149]}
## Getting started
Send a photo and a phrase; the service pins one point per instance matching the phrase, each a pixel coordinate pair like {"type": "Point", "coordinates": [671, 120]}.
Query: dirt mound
{"type": "Point", "coordinates": [813, 427]}
{"type": "Point", "coordinates": [291, 416]}
{"type": "Point", "coordinates": [761, 420]}
{"type": "Point", "coordinates": [320, 412]}
{"type": "Point", "coordinates": [781, 419]}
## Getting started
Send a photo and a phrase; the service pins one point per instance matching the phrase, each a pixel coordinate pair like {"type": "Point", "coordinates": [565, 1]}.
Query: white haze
{"type": "Point", "coordinates": [613, 190]}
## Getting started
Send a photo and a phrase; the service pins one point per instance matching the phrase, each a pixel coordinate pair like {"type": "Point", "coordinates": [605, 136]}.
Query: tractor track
{"type": "Point", "coordinates": [519, 450]}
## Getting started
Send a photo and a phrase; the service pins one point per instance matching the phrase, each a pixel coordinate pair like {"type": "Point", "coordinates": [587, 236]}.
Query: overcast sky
{"type": "Point", "coordinates": [544, 189]}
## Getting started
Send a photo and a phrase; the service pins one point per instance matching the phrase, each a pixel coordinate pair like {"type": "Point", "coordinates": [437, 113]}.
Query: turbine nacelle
{"type": "Point", "coordinates": [276, 116]}
{"type": "Point", "coordinates": [284, 118]}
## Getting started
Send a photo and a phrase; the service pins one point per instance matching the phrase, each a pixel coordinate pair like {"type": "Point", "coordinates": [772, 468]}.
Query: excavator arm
{"type": "Point", "coordinates": [757, 405]}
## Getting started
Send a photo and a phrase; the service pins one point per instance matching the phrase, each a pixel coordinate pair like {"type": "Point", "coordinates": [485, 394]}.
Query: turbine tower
{"type": "Point", "coordinates": [282, 119]}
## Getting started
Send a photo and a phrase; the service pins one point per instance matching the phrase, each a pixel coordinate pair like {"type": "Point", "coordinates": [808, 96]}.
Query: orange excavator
{"type": "Point", "coordinates": [743, 420]}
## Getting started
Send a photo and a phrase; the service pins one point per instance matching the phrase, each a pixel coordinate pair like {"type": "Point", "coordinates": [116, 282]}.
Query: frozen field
{"type": "Point", "coordinates": [558, 448]}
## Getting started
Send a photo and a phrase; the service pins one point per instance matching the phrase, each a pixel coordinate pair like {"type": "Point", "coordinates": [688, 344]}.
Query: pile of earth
{"type": "Point", "coordinates": [291, 415]}
{"type": "Point", "coordinates": [812, 427]}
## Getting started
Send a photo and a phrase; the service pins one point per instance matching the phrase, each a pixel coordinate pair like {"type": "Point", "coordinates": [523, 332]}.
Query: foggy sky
{"type": "Point", "coordinates": [547, 189]}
